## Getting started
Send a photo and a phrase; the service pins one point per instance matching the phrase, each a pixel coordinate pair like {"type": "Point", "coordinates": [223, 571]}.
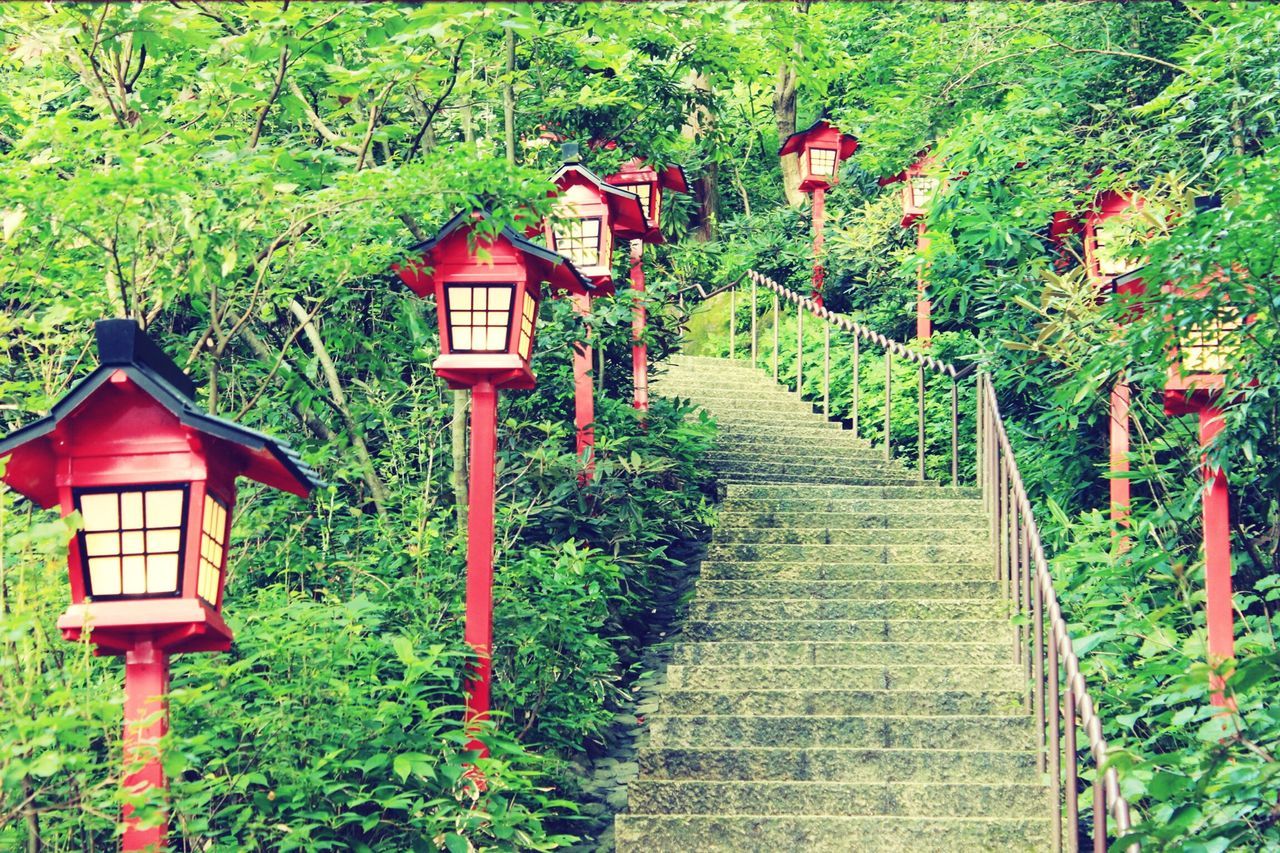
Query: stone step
{"type": "Point", "coordinates": [823, 454]}
{"type": "Point", "coordinates": [983, 731]}
{"type": "Point", "coordinates": [713, 569]}
{"type": "Point", "coordinates": [789, 470]}
{"type": "Point", "coordinates": [890, 676]}
{"type": "Point", "coordinates": [787, 477]}
{"type": "Point", "coordinates": [709, 590]}
{"type": "Point", "coordinates": [829, 764]}
{"type": "Point", "coordinates": [667, 796]}
{"type": "Point", "coordinates": [925, 516]}
{"type": "Point", "coordinates": [918, 504]}
{"type": "Point", "coordinates": [750, 422]}
{"type": "Point", "coordinates": [818, 491]}
{"type": "Point", "coordinates": [826, 834]}
{"type": "Point", "coordinates": [890, 630]}
{"type": "Point", "coordinates": [744, 609]}
{"type": "Point", "coordinates": [840, 703]}
{"type": "Point", "coordinates": [841, 653]}
{"type": "Point", "coordinates": [752, 401]}
{"type": "Point", "coordinates": [842, 445]}
{"type": "Point", "coordinates": [940, 552]}
{"type": "Point", "coordinates": [849, 535]}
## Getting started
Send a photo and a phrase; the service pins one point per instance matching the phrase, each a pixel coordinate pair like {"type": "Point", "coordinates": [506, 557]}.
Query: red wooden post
{"type": "Point", "coordinates": [1217, 558]}
{"type": "Point", "coordinates": [819, 214]}
{"type": "Point", "coordinates": [146, 720]}
{"type": "Point", "coordinates": [584, 406]}
{"type": "Point", "coordinates": [924, 308]}
{"type": "Point", "coordinates": [639, 349]}
{"type": "Point", "coordinates": [1119, 423]}
{"type": "Point", "coordinates": [478, 631]}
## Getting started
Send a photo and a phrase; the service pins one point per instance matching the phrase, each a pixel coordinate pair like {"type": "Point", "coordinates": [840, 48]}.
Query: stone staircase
{"type": "Point", "coordinates": [845, 680]}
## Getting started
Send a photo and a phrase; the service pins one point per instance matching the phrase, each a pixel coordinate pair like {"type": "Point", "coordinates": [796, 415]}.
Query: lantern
{"type": "Point", "coordinates": [590, 215]}
{"type": "Point", "coordinates": [1107, 228]}
{"type": "Point", "coordinates": [487, 288]}
{"type": "Point", "coordinates": [919, 188]}
{"type": "Point", "coordinates": [647, 183]}
{"type": "Point", "coordinates": [1203, 355]}
{"type": "Point", "coordinates": [154, 480]}
{"type": "Point", "coordinates": [820, 148]}
{"type": "Point", "coordinates": [487, 309]}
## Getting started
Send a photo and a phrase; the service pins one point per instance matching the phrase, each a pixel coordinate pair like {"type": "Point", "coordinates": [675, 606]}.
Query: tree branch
{"type": "Point", "coordinates": [271, 99]}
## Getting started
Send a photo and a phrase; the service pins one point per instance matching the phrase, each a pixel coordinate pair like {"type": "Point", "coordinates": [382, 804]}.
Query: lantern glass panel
{"type": "Point", "coordinates": [479, 316]}
{"type": "Point", "coordinates": [579, 240]}
{"type": "Point", "coordinates": [213, 549]}
{"type": "Point", "coordinates": [527, 316]}
{"type": "Point", "coordinates": [822, 161]}
{"type": "Point", "coordinates": [923, 189]}
{"type": "Point", "coordinates": [1112, 246]}
{"type": "Point", "coordinates": [1209, 349]}
{"type": "Point", "coordinates": [645, 191]}
{"type": "Point", "coordinates": [132, 540]}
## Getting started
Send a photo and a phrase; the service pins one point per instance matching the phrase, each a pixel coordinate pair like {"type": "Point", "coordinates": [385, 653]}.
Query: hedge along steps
{"type": "Point", "coordinates": [844, 679]}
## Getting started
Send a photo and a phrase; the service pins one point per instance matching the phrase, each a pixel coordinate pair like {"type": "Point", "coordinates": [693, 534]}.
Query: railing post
{"type": "Point", "coordinates": [753, 324]}
{"type": "Point", "coordinates": [799, 348]}
{"type": "Point", "coordinates": [733, 321]}
{"type": "Point", "coordinates": [1002, 539]}
{"type": "Point", "coordinates": [1055, 732]}
{"type": "Point", "coordinates": [920, 419]}
{"type": "Point", "coordinates": [1037, 615]}
{"type": "Point", "coordinates": [955, 434]}
{"type": "Point", "coordinates": [1071, 785]}
{"type": "Point", "coordinates": [826, 370]}
{"type": "Point", "coordinates": [777, 319]}
{"type": "Point", "coordinates": [857, 382]}
{"type": "Point", "coordinates": [888, 395]}
{"type": "Point", "coordinates": [1099, 811]}
{"type": "Point", "coordinates": [1013, 552]}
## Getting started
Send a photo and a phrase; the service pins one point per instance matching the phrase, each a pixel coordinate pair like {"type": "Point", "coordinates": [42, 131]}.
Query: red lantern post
{"type": "Point", "coordinates": [821, 147]}
{"type": "Point", "coordinates": [153, 478]}
{"type": "Point", "coordinates": [919, 188]}
{"type": "Point", "coordinates": [589, 215]}
{"type": "Point", "coordinates": [1105, 261]}
{"type": "Point", "coordinates": [1202, 356]}
{"type": "Point", "coordinates": [487, 288]}
{"type": "Point", "coordinates": [648, 184]}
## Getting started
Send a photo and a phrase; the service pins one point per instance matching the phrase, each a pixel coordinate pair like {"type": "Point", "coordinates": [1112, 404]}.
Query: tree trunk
{"type": "Point", "coordinates": [784, 113]}
{"type": "Point", "coordinates": [458, 440]}
{"type": "Point", "coordinates": [509, 98]}
{"type": "Point", "coordinates": [706, 188]}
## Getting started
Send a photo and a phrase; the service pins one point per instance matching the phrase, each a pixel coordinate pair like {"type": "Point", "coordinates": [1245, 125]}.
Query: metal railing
{"type": "Point", "coordinates": [1057, 695]}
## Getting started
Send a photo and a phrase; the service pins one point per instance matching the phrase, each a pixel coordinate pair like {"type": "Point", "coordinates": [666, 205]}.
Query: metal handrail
{"type": "Point", "coordinates": [1020, 564]}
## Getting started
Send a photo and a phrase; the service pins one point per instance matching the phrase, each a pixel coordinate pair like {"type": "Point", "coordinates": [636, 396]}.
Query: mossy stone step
{"type": "Point", "coordinates": [792, 470]}
{"type": "Point", "coordinates": [713, 569]}
{"type": "Point", "coordinates": [739, 609]}
{"type": "Point", "coordinates": [981, 731]}
{"type": "Point", "coordinates": [940, 552]}
{"type": "Point", "coordinates": [899, 630]}
{"type": "Point", "coordinates": [918, 517]}
{"type": "Point", "coordinates": [709, 590]}
{"type": "Point", "coordinates": [827, 453]}
{"type": "Point", "coordinates": [762, 423]}
{"type": "Point", "coordinates": [740, 477]}
{"type": "Point", "coordinates": [816, 701]}
{"type": "Point", "coordinates": [840, 653]}
{"type": "Point", "coordinates": [938, 674]}
{"type": "Point", "coordinates": [826, 834]}
{"type": "Point", "coordinates": [833, 764]}
{"type": "Point", "coordinates": [917, 504]}
{"type": "Point", "coordinates": [666, 796]}
{"type": "Point", "coordinates": [830, 446]}
{"type": "Point", "coordinates": [819, 491]}
{"type": "Point", "coordinates": [853, 535]}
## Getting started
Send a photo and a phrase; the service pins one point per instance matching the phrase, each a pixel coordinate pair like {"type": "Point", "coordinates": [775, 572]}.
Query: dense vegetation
{"type": "Point", "coordinates": [239, 177]}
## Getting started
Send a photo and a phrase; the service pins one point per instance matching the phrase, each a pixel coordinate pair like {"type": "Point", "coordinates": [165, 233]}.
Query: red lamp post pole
{"type": "Point", "coordinates": [478, 631]}
{"type": "Point", "coordinates": [584, 406]}
{"type": "Point", "coordinates": [639, 350]}
{"type": "Point", "coordinates": [146, 719]}
{"type": "Point", "coordinates": [819, 214]}
{"type": "Point", "coordinates": [1120, 452]}
{"type": "Point", "coordinates": [924, 308]}
{"type": "Point", "coordinates": [1217, 558]}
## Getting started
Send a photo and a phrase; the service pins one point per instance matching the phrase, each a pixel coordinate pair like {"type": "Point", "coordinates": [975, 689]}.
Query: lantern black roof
{"type": "Point", "coordinates": [123, 345]}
